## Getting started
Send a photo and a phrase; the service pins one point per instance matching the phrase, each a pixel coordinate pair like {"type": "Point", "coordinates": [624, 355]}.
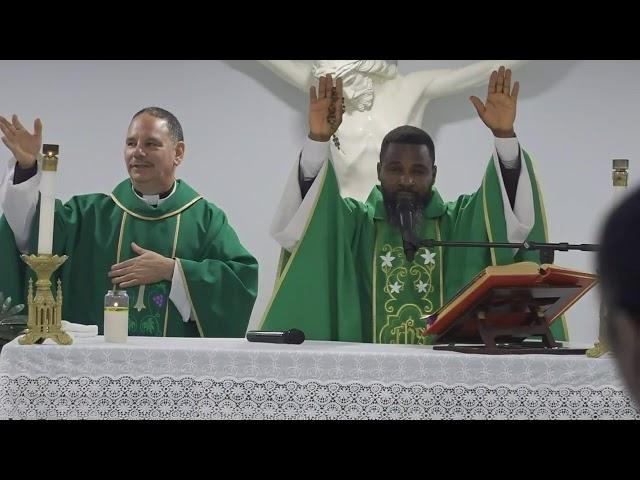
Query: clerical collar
{"type": "Point", "coordinates": [157, 199]}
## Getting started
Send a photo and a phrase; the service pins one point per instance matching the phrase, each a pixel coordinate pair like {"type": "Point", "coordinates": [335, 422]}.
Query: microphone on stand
{"type": "Point", "coordinates": [405, 209]}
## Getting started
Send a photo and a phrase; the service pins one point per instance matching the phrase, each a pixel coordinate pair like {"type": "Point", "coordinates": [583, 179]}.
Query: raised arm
{"type": "Point", "coordinates": [295, 72]}
{"type": "Point", "coordinates": [19, 187]}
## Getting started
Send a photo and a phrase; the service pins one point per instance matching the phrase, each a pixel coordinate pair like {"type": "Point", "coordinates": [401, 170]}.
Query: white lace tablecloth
{"type": "Point", "coordinates": [180, 378]}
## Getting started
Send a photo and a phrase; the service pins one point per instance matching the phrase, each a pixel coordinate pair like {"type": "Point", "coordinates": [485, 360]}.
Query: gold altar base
{"type": "Point", "coordinates": [45, 312]}
{"type": "Point", "coordinates": [599, 349]}
{"type": "Point", "coordinates": [602, 345]}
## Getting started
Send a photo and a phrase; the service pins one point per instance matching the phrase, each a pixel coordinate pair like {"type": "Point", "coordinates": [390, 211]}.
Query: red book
{"type": "Point", "coordinates": [507, 296]}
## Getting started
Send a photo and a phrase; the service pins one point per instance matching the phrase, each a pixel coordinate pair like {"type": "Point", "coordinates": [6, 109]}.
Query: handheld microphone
{"type": "Point", "coordinates": [293, 336]}
{"type": "Point", "coordinates": [405, 216]}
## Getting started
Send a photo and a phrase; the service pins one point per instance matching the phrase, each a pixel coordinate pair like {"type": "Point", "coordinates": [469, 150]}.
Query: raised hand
{"type": "Point", "coordinates": [499, 110]}
{"type": "Point", "coordinates": [22, 144]}
{"type": "Point", "coordinates": [325, 109]}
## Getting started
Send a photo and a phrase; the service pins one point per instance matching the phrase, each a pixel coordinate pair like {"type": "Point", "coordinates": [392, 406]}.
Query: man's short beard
{"type": "Point", "coordinates": [417, 202]}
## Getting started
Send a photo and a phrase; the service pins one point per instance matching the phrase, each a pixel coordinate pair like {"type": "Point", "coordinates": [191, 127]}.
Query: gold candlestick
{"type": "Point", "coordinates": [45, 312]}
{"type": "Point", "coordinates": [620, 178]}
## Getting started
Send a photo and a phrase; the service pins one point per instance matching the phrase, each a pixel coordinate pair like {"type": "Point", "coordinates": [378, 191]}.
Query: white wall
{"type": "Point", "coordinates": [243, 128]}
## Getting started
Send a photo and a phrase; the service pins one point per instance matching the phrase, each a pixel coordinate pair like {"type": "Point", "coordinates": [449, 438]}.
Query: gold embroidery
{"type": "Point", "coordinates": [402, 328]}
{"type": "Point", "coordinates": [374, 297]}
{"type": "Point", "coordinates": [401, 319]}
{"type": "Point", "coordinates": [438, 237]}
{"type": "Point", "coordinates": [186, 288]}
{"type": "Point", "coordinates": [173, 255]}
{"type": "Point", "coordinates": [486, 219]}
{"type": "Point", "coordinates": [153, 219]}
{"type": "Point", "coordinates": [124, 218]}
{"type": "Point", "coordinates": [393, 273]}
{"type": "Point", "coordinates": [417, 272]}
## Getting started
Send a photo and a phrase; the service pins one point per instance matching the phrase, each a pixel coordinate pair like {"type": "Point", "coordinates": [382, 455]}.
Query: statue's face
{"type": "Point", "coordinates": [358, 78]}
{"type": "Point", "coordinates": [341, 63]}
{"type": "Point", "coordinates": [332, 65]}
{"type": "Point", "coordinates": [351, 70]}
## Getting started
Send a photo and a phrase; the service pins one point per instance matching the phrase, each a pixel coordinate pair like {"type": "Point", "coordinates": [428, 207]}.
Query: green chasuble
{"type": "Point", "coordinates": [96, 231]}
{"type": "Point", "coordinates": [348, 279]}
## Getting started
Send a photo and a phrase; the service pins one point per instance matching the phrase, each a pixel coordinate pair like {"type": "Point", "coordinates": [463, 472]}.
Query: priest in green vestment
{"type": "Point", "coordinates": [343, 274]}
{"type": "Point", "coordinates": [181, 263]}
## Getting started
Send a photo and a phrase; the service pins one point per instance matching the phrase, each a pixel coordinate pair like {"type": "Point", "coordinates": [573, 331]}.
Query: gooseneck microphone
{"type": "Point", "coordinates": [405, 217]}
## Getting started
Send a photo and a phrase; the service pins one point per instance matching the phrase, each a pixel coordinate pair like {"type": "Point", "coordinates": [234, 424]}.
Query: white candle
{"type": "Point", "coordinates": [47, 209]}
{"type": "Point", "coordinates": [116, 324]}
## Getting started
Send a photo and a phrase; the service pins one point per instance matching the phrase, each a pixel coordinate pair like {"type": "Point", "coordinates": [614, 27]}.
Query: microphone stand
{"type": "Point", "coordinates": [547, 250]}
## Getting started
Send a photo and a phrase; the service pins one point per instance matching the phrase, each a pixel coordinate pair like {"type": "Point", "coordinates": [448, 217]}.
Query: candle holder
{"type": "Point", "coordinates": [44, 319]}
{"type": "Point", "coordinates": [620, 178]}
{"type": "Point", "coordinates": [50, 157]}
{"type": "Point", "coordinates": [45, 313]}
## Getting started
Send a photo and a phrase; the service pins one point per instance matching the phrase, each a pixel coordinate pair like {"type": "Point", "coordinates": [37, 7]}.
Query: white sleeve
{"type": "Point", "coordinates": [19, 202]}
{"type": "Point", "coordinates": [312, 158]}
{"type": "Point", "coordinates": [509, 151]}
{"type": "Point", "coordinates": [293, 211]}
{"type": "Point", "coordinates": [178, 295]}
{"type": "Point", "coordinates": [521, 218]}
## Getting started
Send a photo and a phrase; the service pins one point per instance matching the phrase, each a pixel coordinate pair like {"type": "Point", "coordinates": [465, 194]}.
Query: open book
{"type": "Point", "coordinates": [508, 296]}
